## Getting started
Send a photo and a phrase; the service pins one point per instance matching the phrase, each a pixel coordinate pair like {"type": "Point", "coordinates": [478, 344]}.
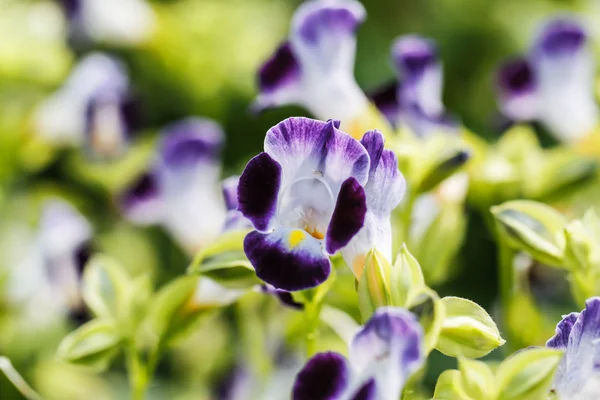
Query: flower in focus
{"type": "Point", "coordinates": [122, 22]}
{"type": "Point", "coordinates": [315, 67]}
{"type": "Point", "coordinates": [46, 280]}
{"type": "Point", "coordinates": [305, 198]}
{"type": "Point", "coordinates": [578, 375]}
{"type": "Point", "coordinates": [182, 191]}
{"type": "Point", "coordinates": [384, 190]}
{"type": "Point", "coordinates": [94, 108]}
{"type": "Point", "coordinates": [554, 83]}
{"type": "Point", "coordinates": [382, 356]}
{"type": "Point", "coordinates": [415, 100]}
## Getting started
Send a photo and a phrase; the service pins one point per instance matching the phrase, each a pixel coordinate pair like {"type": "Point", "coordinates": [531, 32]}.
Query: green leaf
{"type": "Point", "coordinates": [527, 375]}
{"type": "Point", "coordinates": [477, 379]}
{"type": "Point", "coordinates": [447, 163]}
{"type": "Point", "coordinates": [182, 303]}
{"type": "Point", "coordinates": [467, 330]}
{"type": "Point", "coordinates": [534, 228]}
{"type": "Point", "coordinates": [94, 344]}
{"type": "Point", "coordinates": [225, 262]}
{"type": "Point", "coordinates": [105, 288]}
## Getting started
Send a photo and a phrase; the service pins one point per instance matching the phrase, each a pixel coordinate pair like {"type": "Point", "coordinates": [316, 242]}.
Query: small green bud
{"type": "Point", "coordinates": [534, 228]}
{"type": "Point", "coordinates": [406, 277]}
{"type": "Point", "coordinates": [373, 286]}
{"type": "Point", "coordinates": [467, 330]}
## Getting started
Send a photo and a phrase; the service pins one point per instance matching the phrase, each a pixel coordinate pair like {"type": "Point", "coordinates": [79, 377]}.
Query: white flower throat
{"type": "Point", "coordinates": [307, 203]}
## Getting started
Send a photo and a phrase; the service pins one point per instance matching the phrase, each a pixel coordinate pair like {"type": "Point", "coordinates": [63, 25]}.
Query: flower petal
{"type": "Point", "coordinates": [390, 347]}
{"type": "Point", "coordinates": [566, 75]}
{"type": "Point", "coordinates": [419, 68]}
{"type": "Point", "coordinates": [324, 377]}
{"type": "Point", "coordinates": [142, 203]}
{"type": "Point", "coordinates": [368, 391]}
{"type": "Point", "coordinates": [258, 189]}
{"type": "Point", "coordinates": [306, 147]}
{"type": "Point", "coordinates": [348, 216]}
{"type": "Point", "coordinates": [581, 362]}
{"type": "Point", "coordinates": [288, 259]}
{"type": "Point", "coordinates": [384, 191]}
{"type": "Point", "coordinates": [517, 90]}
{"type": "Point", "coordinates": [283, 296]}
{"type": "Point", "coordinates": [325, 30]}
{"type": "Point", "coordinates": [190, 142]}
{"type": "Point", "coordinates": [279, 80]}
{"type": "Point", "coordinates": [563, 330]}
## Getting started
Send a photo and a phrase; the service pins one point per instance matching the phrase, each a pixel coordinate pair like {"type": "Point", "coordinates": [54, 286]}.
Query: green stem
{"type": "Point", "coordinates": [138, 373]}
{"type": "Point", "coordinates": [406, 215]}
{"type": "Point", "coordinates": [312, 312]}
{"type": "Point", "coordinates": [17, 380]}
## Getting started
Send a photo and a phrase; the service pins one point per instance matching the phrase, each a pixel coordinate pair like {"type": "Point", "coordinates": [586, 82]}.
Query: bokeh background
{"type": "Point", "coordinates": [201, 60]}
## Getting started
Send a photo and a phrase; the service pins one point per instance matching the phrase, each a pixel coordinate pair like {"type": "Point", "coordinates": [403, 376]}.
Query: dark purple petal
{"type": "Point", "coordinates": [348, 217]}
{"type": "Point", "coordinates": [563, 330]}
{"type": "Point", "coordinates": [287, 259]}
{"type": "Point", "coordinates": [280, 70]}
{"type": "Point", "coordinates": [561, 37]}
{"type": "Point", "coordinates": [284, 297]}
{"type": "Point", "coordinates": [516, 77]}
{"type": "Point", "coordinates": [83, 253]}
{"type": "Point", "coordinates": [257, 191]}
{"type": "Point", "coordinates": [324, 377]}
{"type": "Point", "coordinates": [387, 102]}
{"type": "Point", "coordinates": [368, 391]}
{"type": "Point", "coordinates": [316, 20]}
{"type": "Point", "coordinates": [141, 203]}
{"type": "Point", "coordinates": [413, 56]}
{"type": "Point", "coordinates": [191, 141]}
{"type": "Point", "coordinates": [230, 192]}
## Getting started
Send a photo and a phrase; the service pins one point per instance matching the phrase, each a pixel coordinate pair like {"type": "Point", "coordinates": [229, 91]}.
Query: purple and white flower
{"type": "Point", "coordinates": [122, 22]}
{"type": "Point", "coordinates": [182, 191]}
{"type": "Point", "coordinates": [47, 276]}
{"type": "Point", "coordinates": [578, 334]}
{"type": "Point", "coordinates": [554, 84]}
{"type": "Point", "coordinates": [384, 191]}
{"type": "Point", "coordinates": [94, 108]}
{"type": "Point", "coordinates": [415, 100]}
{"type": "Point", "coordinates": [305, 197]}
{"type": "Point", "coordinates": [314, 68]}
{"type": "Point", "coordinates": [382, 356]}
